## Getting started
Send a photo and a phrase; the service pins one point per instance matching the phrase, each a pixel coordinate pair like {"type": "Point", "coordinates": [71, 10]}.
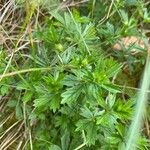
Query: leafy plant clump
{"type": "Point", "coordinates": [63, 85]}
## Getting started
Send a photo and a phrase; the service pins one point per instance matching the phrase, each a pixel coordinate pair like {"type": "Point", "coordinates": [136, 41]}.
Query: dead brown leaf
{"type": "Point", "coordinates": [128, 41]}
{"type": "Point", "coordinates": [2, 39]}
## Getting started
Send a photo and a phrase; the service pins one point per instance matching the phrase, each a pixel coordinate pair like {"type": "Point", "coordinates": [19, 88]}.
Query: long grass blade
{"type": "Point", "coordinates": [140, 108]}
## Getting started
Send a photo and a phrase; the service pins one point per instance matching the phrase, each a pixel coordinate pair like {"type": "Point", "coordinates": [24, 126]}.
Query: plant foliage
{"type": "Point", "coordinates": [76, 103]}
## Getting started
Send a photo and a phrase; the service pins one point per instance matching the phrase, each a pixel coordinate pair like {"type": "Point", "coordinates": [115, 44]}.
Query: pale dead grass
{"type": "Point", "coordinates": [12, 131]}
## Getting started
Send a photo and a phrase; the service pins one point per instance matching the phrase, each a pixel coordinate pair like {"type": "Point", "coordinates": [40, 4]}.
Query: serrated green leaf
{"type": "Point", "coordinates": [71, 94]}
{"type": "Point", "coordinates": [107, 119]}
{"type": "Point", "coordinates": [92, 90]}
{"type": "Point", "coordinates": [131, 2]}
{"type": "Point", "coordinates": [57, 16]}
{"type": "Point", "coordinates": [27, 96]}
{"type": "Point", "coordinates": [124, 16]}
{"type": "Point", "coordinates": [111, 88]}
{"type": "Point", "coordinates": [89, 32]}
{"type": "Point", "coordinates": [123, 110]}
{"type": "Point", "coordinates": [70, 80]}
{"type": "Point", "coordinates": [90, 128]}
{"type": "Point", "coordinates": [113, 70]}
{"type": "Point", "coordinates": [41, 101]}
{"type": "Point", "coordinates": [4, 90]}
{"type": "Point", "coordinates": [91, 134]}
{"type": "Point", "coordinates": [54, 103]}
{"type": "Point", "coordinates": [11, 103]}
{"type": "Point", "coordinates": [19, 114]}
{"type": "Point", "coordinates": [55, 147]}
{"type": "Point", "coordinates": [85, 112]}
{"type": "Point", "coordinates": [111, 100]}
{"type": "Point", "coordinates": [65, 140]}
{"type": "Point", "coordinates": [22, 86]}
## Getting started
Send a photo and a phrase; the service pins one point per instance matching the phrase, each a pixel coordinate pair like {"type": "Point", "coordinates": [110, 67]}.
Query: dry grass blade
{"type": "Point", "coordinates": [11, 137]}
{"type": "Point", "coordinates": [6, 8]}
{"type": "Point", "coordinates": [9, 129]}
{"type": "Point", "coordinates": [5, 120]}
{"type": "Point", "coordinates": [12, 142]}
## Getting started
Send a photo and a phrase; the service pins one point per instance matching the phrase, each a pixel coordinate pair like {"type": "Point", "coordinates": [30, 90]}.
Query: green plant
{"type": "Point", "coordinates": [63, 89]}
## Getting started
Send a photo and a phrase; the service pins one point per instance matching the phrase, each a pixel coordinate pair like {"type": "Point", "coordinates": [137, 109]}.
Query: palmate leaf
{"type": "Point", "coordinates": [91, 133]}
{"type": "Point", "coordinates": [111, 29]}
{"type": "Point", "coordinates": [107, 120]}
{"type": "Point", "coordinates": [92, 90]}
{"type": "Point", "coordinates": [124, 110]}
{"type": "Point", "coordinates": [124, 16]}
{"type": "Point", "coordinates": [71, 94]}
{"type": "Point", "coordinates": [55, 102]}
{"type": "Point", "coordinates": [90, 129]}
{"type": "Point", "coordinates": [57, 16]}
{"type": "Point", "coordinates": [52, 101]}
{"type": "Point", "coordinates": [86, 113]}
{"type": "Point", "coordinates": [67, 55]}
{"type": "Point", "coordinates": [70, 80]}
{"type": "Point", "coordinates": [41, 101]}
{"type": "Point", "coordinates": [27, 96]}
{"type": "Point", "coordinates": [4, 90]}
{"type": "Point", "coordinates": [89, 33]}
{"type": "Point", "coordinates": [113, 70]}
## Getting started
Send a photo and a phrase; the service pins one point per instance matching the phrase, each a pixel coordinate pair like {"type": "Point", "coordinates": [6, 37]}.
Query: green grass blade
{"type": "Point", "coordinates": [136, 124]}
